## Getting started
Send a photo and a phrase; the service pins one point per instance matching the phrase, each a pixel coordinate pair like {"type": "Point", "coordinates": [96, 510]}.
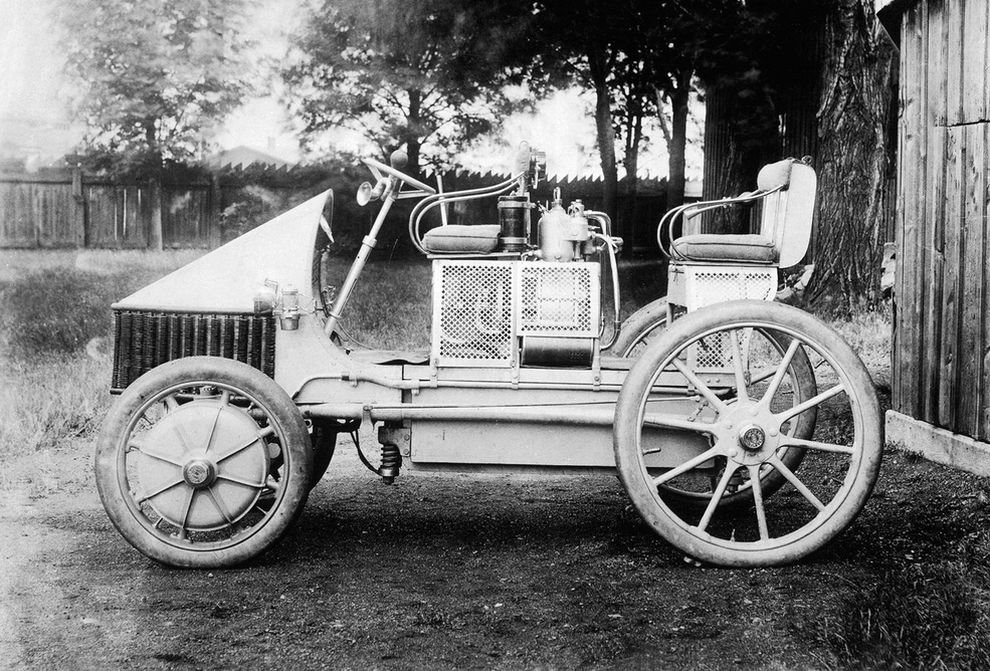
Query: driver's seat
{"type": "Point", "coordinates": [787, 190]}
{"type": "Point", "coordinates": [461, 239]}
{"type": "Point", "coordinates": [706, 269]}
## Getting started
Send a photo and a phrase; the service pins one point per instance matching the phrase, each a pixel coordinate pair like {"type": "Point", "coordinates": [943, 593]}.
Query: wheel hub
{"type": "Point", "coordinates": [203, 466]}
{"type": "Point", "coordinates": [199, 473]}
{"type": "Point", "coordinates": [749, 433]}
{"type": "Point", "coordinates": [752, 438]}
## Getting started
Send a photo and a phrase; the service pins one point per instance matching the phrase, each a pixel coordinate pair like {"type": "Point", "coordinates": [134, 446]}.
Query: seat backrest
{"type": "Point", "coordinates": [788, 214]}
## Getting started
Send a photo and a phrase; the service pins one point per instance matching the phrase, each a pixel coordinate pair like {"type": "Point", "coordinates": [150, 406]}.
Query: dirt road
{"type": "Point", "coordinates": [453, 572]}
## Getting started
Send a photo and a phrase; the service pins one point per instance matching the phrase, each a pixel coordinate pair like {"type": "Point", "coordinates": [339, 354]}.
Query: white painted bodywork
{"type": "Point", "coordinates": [226, 279]}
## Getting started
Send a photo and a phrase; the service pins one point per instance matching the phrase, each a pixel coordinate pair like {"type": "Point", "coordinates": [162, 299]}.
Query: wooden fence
{"type": "Point", "coordinates": [72, 210]}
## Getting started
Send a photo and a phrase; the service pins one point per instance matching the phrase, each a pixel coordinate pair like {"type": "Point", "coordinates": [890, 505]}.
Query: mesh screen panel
{"type": "Point", "coordinates": [475, 314]}
{"type": "Point", "coordinates": [481, 306]}
{"type": "Point", "coordinates": [558, 300]}
{"type": "Point", "coordinates": [715, 286]}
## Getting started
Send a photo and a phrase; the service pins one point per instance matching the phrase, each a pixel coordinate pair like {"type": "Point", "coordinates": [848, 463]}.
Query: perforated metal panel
{"type": "Point", "coordinates": [472, 313]}
{"type": "Point", "coordinates": [695, 286]}
{"type": "Point", "coordinates": [559, 299]}
{"type": "Point", "coordinates": [698, 286]}
{"type": "Point", "coordinates": [713, 353]}
{"type": "Point", "coordinates": [480, 307]}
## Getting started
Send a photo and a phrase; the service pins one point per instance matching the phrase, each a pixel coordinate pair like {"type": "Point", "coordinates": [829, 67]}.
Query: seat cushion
{"type": "Point", "coordinates": [462, 239]}
{"type": "Point", "coordinates": [706, 248]}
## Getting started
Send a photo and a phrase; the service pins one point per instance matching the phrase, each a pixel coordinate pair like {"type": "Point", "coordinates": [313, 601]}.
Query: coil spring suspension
{"type": "Point", "coordinates": [391, 462]}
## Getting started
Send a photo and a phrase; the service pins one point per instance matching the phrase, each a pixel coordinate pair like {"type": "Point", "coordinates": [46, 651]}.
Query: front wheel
{"type": "Point", "coordinates": [203, 462]}
{"type": "Point", "coordinates": [749, 349]}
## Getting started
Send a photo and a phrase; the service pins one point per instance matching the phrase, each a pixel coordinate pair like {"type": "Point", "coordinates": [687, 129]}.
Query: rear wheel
{"type": "Point", "coordinates": [203, 462]}
{"type": "Point", "coordinates": [644, 327]}
{"type": "Point", "coordinates": [750, 429]}
{"type": "Point", "coordinates": [640, 328]}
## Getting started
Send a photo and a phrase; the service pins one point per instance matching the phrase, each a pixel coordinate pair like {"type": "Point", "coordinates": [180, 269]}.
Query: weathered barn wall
{"type": "Point", "coordinates": [941, 369]}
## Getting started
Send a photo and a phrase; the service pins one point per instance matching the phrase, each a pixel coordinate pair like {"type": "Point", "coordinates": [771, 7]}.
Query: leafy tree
{"type": "Point", "coordinates": [634, 55]}
{"type": "Point", "coordinates": [585, 40]}
{"type": "Point", "coordinates": [652, 76]}
{"type": "Point", "coordinates": [429, 74]}
{"type": "Point", "coordinates": [151, 76]}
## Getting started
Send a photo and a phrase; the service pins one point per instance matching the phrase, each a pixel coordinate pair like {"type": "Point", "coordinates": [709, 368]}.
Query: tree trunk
{"type": "Point", "coordinates": [731, 159]}
{"type": "Point", "coordinates": [606, 136]}
{"type": "Point", "coordinates": [634, 137]}
{"type": "Point", "coordinates": [855, 160]}
{"type": "Point", "coordinates": [156, 233]}
{"type": "Point", "coordinates": [414, 133]}
{"type": "Point", "coordinates": [678, 141]}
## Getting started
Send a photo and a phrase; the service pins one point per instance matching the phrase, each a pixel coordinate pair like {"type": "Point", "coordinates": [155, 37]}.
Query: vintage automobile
{"type": "Point", "coordinates": [746, 432]}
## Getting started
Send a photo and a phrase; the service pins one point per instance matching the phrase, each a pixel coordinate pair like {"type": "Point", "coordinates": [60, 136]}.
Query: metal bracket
{"type": "Point", "coordinates": [400, 436]}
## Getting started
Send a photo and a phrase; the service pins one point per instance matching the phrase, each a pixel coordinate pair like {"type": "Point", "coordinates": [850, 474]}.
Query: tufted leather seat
{"type": "Point", "coordinates": [710, 248]}
{"type": "Point", "coordinates": [462, 239]}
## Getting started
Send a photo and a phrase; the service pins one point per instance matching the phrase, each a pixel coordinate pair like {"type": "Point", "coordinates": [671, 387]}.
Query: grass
{"type": "Point", "coordinates": [917, 616]}
{"type": "Point", "coordinates": [868, 331]}
{"type": "Point", "coordinates": [55, 356]}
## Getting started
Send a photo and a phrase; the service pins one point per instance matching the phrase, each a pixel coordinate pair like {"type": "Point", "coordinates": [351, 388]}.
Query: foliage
{"type": "Point", "coordinates": [426, 73]}
{"type": "Point", "coordinates": [151, 76]}
{"type": "Point", "coordinates": [254, 206]}
{"type": "Point", "coordinates": [256, 194]}
{"type": "Point", "coordinates": [638, 57]}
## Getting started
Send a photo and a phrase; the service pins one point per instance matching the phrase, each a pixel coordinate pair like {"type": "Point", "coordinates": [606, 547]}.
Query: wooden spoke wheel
{"type": "Point", "coordinates": [747, 364]}
{"type": "Point", "coordinates": [645, 326]}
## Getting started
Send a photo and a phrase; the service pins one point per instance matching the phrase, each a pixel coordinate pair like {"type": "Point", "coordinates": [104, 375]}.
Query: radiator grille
{"type": "Point", "coordinates": [144, 339]}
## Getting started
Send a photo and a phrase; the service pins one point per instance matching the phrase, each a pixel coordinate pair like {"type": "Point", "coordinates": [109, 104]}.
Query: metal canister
{"type": "Point", "coordinates": [515, 222]}
{"type": "Point", "coordinates": [555, 243]}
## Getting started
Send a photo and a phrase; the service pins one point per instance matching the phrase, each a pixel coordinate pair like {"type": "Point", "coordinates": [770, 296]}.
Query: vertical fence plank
{"type": "Point", "coordinates": [910, 139]}
{"type": "Point", "coordinates": [973, 70]}
{"type": "Point", "coordinates": [970, 360]}
{"type": "Point", "coordinates": [948, 347]}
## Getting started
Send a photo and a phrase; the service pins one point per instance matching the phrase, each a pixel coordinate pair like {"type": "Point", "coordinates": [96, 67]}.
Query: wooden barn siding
{"type": "Point", "coordinates": [941, 354]}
